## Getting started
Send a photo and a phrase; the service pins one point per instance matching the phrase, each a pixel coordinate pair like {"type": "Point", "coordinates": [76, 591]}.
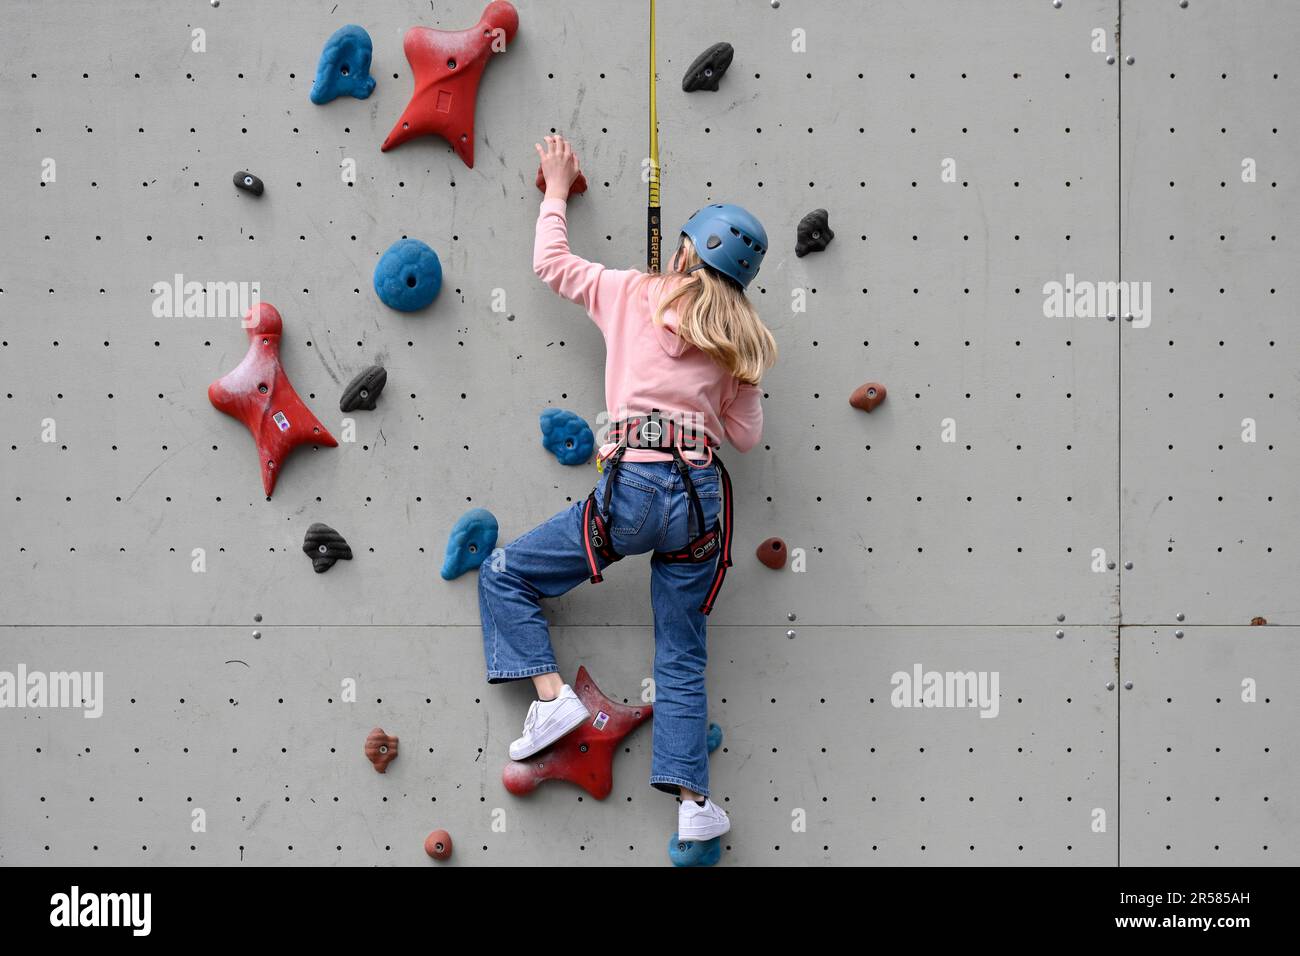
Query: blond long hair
{"type": "Point", "coordinates": [714, 315]}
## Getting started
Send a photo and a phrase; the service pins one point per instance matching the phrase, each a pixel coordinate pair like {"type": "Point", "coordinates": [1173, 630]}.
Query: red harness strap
{"type": "Point", "coordinates": [714, 543]}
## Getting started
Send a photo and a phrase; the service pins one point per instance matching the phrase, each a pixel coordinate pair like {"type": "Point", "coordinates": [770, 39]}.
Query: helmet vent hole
{"type": "Point", "coordinates": [735, 231]}
{"type": "Point", "coordinates": [747, 240]}
{"type": "Point", "coordinates": [713, 242]}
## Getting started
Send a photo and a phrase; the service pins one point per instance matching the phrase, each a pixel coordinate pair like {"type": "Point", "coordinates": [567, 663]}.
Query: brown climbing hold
{"type": "Point", "coordinates": [578, 186]}
{"type": "Point", "coordinates": [381, 749]}
{"type": "Point", "coordinates": [1257, 621]}
{"type": "Point", "coordinates": [772, 553]}
{"type": "Point", "coordinates": [438, 844]}
{"type": "Point", "coordinates": [868, 396]}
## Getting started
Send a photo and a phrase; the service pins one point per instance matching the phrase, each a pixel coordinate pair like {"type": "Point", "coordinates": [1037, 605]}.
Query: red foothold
{"type": "Point", "coordinates": [578, 187]}
{"type": "Point", "coordinates": [584, 756]}
{"type": "Point", "coordinates": [381, 749]}
{"type": "Point", "coordinates": [772, 553]}
{"type": "Point", "coordinates": [259, 394]}
{"type": "Point", "coordinates": [868, 396]}
{"type": "Point", "coordinates": [448, 66]}
{"type": "Point", "coordinates": [438, 844]}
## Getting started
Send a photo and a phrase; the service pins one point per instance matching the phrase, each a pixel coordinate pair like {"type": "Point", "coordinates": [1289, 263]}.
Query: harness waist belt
{"type": "Point", "coordinates": [653, 431]}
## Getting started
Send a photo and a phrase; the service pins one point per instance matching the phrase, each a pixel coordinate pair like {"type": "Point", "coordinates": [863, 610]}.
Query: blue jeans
{"type": "Point", "coordinates": [650, 509]}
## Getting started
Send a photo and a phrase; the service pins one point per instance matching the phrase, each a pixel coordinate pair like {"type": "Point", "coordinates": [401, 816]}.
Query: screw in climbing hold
{"type": "Point", "coordinates": [257, 617]}
{"type": "Point", "coordinates": [1110, 60]}
{"type": "Point", "coordinates": [1110, 685]}
{"type": "Point", "coordinates": [1129, 60]}
{"type": "Point", "coordinates": [1178, 633]}
{"type": "Point", "coordinates": [257, 635]}
{"type": "Point", "coordinates": [1128, 685]}
{"type": "Point", "coordinates": [1128, 565]}
{"type": "Point", "coordinates": [790, 616]}
{"type": "Point", "coordinates": [1060, 618]}
{"type": "Point", "coordinates": [1060, 634]}
{"type": "Point", "coordinates": [790, 634]}
{"type": "Point", "coordinates": [1179, 616]}
{"type": "Point", "coordinates": [1110, 565]}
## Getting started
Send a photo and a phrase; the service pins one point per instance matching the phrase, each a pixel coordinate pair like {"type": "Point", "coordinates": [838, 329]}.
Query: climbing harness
{"type": "Point", "coordinates": [654, 431]}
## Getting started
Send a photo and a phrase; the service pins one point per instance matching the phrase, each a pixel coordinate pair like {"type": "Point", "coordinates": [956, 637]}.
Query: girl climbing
{"type": "Point", "coordinates": [685, 352]}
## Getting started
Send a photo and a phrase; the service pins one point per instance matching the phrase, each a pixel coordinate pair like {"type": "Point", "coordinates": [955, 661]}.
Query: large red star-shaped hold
{"type": "Point", "coordinates": [584, 756]}
{"type": "Point", "coordinates": [447, 67]}
{"type": "Point", "coordinates": [258, 393]}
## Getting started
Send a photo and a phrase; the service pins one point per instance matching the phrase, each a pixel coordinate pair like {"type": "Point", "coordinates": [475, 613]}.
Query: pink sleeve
{"type": "Point", "coordinates": [742, 419]}
{"type": "Point", "coordinates": [599, 290]}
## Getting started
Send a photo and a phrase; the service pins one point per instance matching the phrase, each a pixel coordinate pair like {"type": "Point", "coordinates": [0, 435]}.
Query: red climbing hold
{"type": "Point", "coordinates": [868, 396]}
{"type": "Point", "coordinates": [259, 394]}
{"type": "Point", "coordinates": [772, 553]}
{"type": "Point", "coordinates": [576, 188]}
{"type": "Point", "coordinates": [438, 844]}
{"type": "Point", "coordinates": [381, 749]}
{"type": "Point", "coordinates": [584, 756]}
{"type": "Point", "coordinates": [448, 66]}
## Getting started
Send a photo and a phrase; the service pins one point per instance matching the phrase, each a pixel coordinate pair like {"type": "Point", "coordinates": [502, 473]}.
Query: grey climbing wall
{"type": "Point", "coordinates": [1059, 507]}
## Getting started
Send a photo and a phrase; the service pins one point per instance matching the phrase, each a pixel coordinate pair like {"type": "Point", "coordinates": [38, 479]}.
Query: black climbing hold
{"type": "Point", "coordinates": [814, 233]}
{"type": "Point", "coordinates": [363, 391]}
{"type": "Point", "coordinates": [324, 546]}
{"type": "Point", "coordinates": [708, 68]}
{"type": "Point", "coordinates": [248, 182]}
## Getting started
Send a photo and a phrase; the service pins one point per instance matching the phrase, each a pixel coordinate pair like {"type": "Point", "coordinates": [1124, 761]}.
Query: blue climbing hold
{"type": "Point", "coordinates": [472, 539]}
{"type": "Point", "coordinates": [694, 852]}
{"type": "Point", "coordinates": [408, 276]}
{"type": "Point", "coordinates": [566, 436]}
{"type": "Point", "coordinates": [715, 737]}
{"type": "Point", "coordinates": [344, 68]}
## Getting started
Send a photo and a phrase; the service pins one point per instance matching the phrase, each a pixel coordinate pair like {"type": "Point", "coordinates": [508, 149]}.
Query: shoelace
{"type": "Point", "coordinates": [531, 718]}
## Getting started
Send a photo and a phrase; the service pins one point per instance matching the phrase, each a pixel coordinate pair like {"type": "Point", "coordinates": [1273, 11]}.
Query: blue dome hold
{"type": "Point", "coordinates": [694, 852]}
{"type": "Point", "coordinates": [715, 737]}
{"type": "Point", "coordinates": [344, 68]}
{"type": "Point", "coordinates": [408, 276]}
{"type": "Point", "coordinates": [566, 436]}
{"type": "Point", "coordinates": [472, 539]}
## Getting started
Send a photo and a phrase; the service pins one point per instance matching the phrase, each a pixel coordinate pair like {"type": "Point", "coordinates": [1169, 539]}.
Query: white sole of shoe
{"type": "Point", "coordinates": [578, 717]}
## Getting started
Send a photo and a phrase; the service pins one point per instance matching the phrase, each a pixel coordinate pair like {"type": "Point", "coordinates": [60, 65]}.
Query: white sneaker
{"type": "Point", "coordinates": [548, 721]}
{"type": "Point", "coordinates": [701, 823]}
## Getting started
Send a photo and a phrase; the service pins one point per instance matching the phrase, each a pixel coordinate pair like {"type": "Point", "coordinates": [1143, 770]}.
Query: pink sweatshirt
{"type": "Point", "coordinates": [646, 366]}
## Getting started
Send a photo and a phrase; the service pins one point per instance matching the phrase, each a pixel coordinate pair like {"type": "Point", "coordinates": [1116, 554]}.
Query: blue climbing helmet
{"type": "Point", "coordinates": [729, 239]}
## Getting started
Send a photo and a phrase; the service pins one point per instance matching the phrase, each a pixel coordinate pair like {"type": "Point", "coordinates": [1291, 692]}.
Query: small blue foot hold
{"type": "Point", "coordinates": [472, 539]}
{"type": "Point", "coordinates": [694, 852]}
{"type": "Point", "coordinates": [715, 737]}
{"type": "Point", "coordinates": [408, 276]}
{"type": "Point", "coordinates": [566, 436]}
{"type": "Point", "coordinates": [344, 68]}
